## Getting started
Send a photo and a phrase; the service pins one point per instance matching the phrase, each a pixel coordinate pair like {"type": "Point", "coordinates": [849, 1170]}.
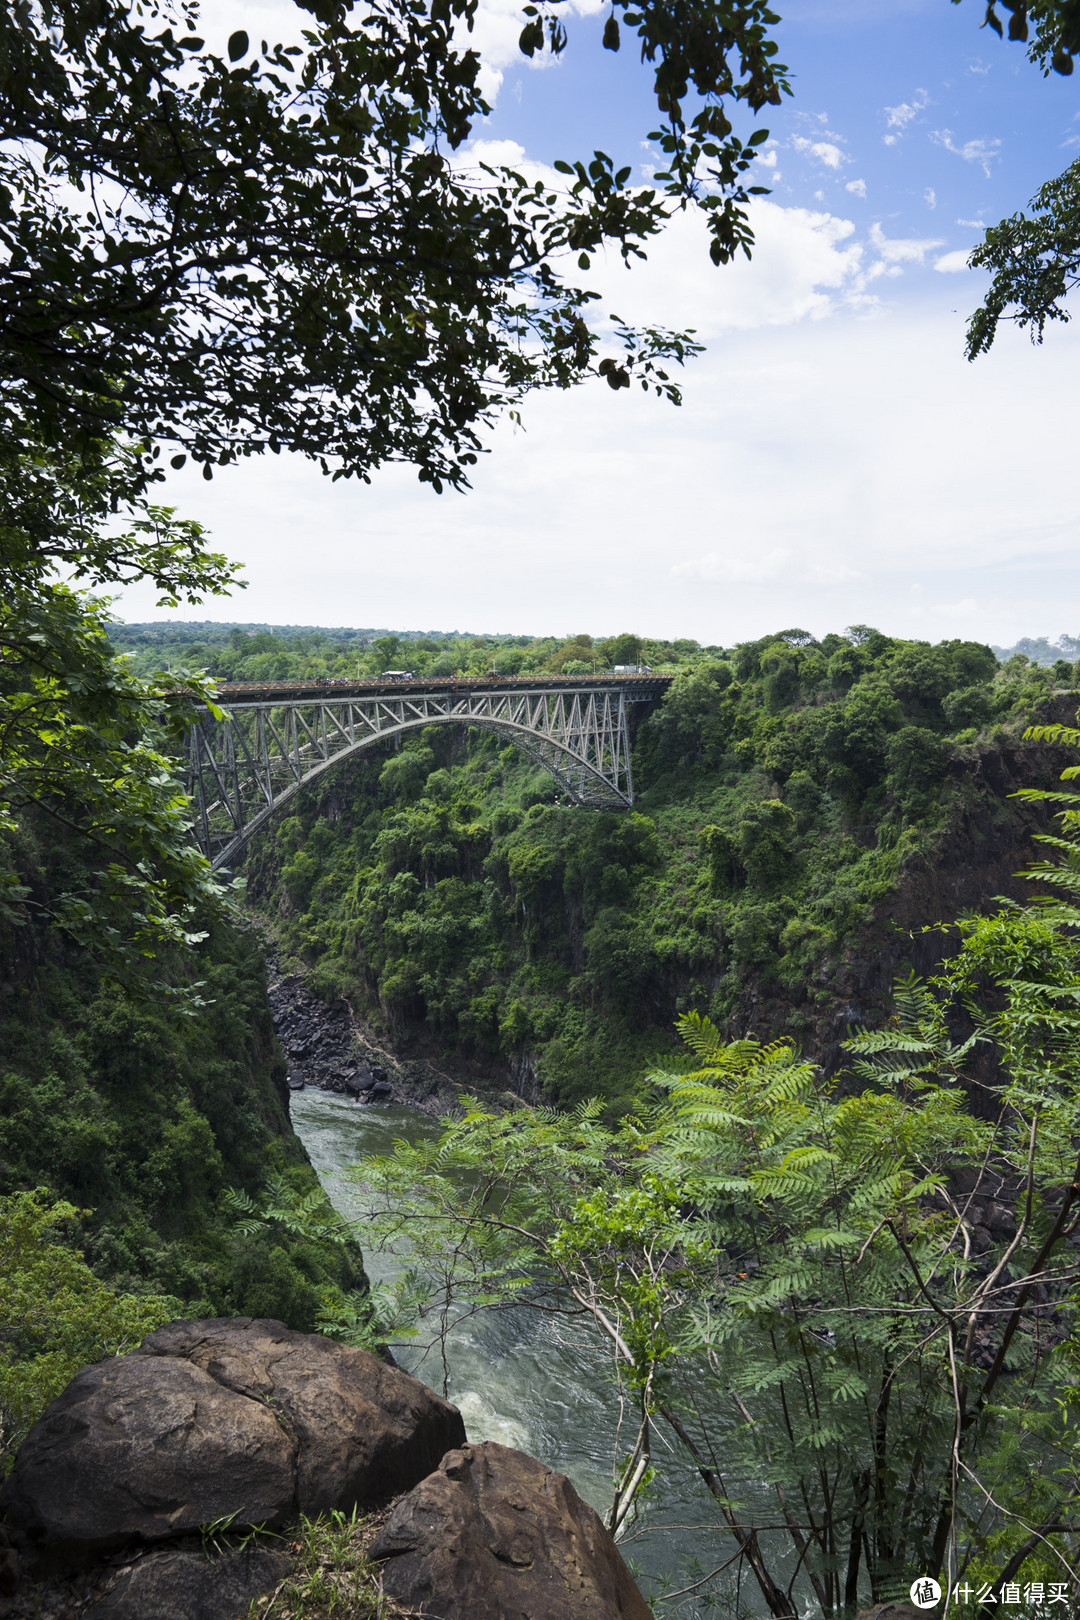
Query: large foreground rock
{"type": "Point", "coordinates": [174, 1583]}
{"type": "Point", "coordinates": [210, 1420]}
{"type": "Point", "coordinates": [494, 1535]}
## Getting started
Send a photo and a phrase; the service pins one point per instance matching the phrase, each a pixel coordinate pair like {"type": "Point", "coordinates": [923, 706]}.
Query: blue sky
{"type": "Point", "coordinates": [836, 460]}
{"type": "Point", "coordinates": [944, 123]}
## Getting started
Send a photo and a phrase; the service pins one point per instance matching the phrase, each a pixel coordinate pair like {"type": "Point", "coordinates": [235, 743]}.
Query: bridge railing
{"type": "Point", "coordinates": [453, 683]}
{"type": "Point", "coordinates": [270, 738]}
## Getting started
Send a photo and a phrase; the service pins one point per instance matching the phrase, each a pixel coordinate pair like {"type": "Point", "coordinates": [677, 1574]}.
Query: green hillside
{"type": "Point", "coordinates": [145, 1112]}
{"type": "Point", "coordinates": [801, 807]}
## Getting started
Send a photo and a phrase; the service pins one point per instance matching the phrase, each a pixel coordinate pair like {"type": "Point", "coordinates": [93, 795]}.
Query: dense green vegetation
{"type": "Point", "coordinates": [145, 1114]}
{"type": "Point", "coordinates": [785, 790]}
{"type": "Point", "coordinates": [804, 1289]}
{"type": "Point", "coordinates": [56, 1314]}
{"type": "Point", "coordinates": [265, 653]}
{"type": "Point", "coordinates": [853, 1307]}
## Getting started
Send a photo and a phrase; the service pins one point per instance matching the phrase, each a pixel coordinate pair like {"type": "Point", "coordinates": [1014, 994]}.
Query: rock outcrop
{"type": "Point", "coordinates": [212, 1420]}
{"type": "Point", "coordinates": [493, 1535]}
{"type": "Point", "coordinates": [147, 1463]}
{"type": "Point", "coordinates": [181, 1583]}
{"type": "Point", "coordinates": [326, 1046]}
{"type": "Point", "coordinates": [322, 1046]}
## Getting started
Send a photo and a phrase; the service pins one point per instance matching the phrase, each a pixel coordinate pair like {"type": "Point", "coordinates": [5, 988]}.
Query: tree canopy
{"type": "Point", "coordinates": [1035, 262]}
{"type": "Point", "coordinates": [795, 1281]}
{"type": "Point", "coordinates": [276, 249]}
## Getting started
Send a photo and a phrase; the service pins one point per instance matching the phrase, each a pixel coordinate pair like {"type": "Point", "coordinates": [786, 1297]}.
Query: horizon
{"type": "Point", "coordinates": [1064, 644]}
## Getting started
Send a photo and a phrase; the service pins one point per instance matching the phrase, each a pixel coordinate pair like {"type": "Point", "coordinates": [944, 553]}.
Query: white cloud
{"type": "Point", "coordinates": [826, 152]}
{"type": "Point", "coordinates": [981, 152]}
{"type": "Point", "coordinates": [805, 264]}
{"type": "Point", "coordinates": [949, 263]}
{"type": "Point", "coordinates": [902, 249]}
{"type": "Point", "coordinates": [735, 566]}
{"type": "Point", "coordinates": [898, 118]}
{"type": "Point", "coordinates": [505, 154]}
{"type": "Point", "coordinates": [857, 187]}
{"type": "Point", "coordinates": [815, 472]}
{"type": "Point", "coordinates": [497, 26]}
{"type": "Point", "coordinates": [930, 197]}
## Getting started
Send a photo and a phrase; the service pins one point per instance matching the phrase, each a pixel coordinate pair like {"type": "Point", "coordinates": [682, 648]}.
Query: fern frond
{"type": "Point", "coordinates": [1048, 795]}
{"type": "Point", "coordinates": [702, 1036]}
{"type": "Point", "coordinates": [886, 1040]}
{"type": "Point", "coordinates": [1054, 733]}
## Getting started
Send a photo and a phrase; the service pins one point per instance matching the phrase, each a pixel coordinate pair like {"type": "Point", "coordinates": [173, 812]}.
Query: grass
{"type": "Point", "coordinates": [333, 1576]}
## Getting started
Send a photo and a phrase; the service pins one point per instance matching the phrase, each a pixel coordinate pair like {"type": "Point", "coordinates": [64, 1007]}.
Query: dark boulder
{"type": "Point", "coordinates": [173, 1583]}
{"type": "Point", "coordinates": [495, 1535]}
{"type": "Point", "coordinates": [213, 1419]}
{"type": "Point", "coordinates": [136, 1449]}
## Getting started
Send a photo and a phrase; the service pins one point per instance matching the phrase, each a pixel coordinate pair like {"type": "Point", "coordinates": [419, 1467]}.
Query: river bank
{"type": "Point", "coordinates": [328, 1048]}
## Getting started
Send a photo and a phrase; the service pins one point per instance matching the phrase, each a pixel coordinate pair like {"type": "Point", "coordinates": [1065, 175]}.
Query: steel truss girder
{"type": "Point", "coordinates": [242, 769]}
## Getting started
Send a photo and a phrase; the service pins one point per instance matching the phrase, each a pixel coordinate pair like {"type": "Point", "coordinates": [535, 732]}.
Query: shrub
{"type": "Point", "coordinates": [55, 1315]}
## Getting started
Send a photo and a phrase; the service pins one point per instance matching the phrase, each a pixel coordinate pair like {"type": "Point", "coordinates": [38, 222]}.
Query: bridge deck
{"type": "Point", "coordinates": [638, 688]}
{"type": "Point", "coordinates": [271, 738]}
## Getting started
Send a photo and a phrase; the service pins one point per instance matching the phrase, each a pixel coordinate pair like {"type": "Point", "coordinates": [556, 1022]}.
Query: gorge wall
{"type": "Point", "coordinates": [800, 819]}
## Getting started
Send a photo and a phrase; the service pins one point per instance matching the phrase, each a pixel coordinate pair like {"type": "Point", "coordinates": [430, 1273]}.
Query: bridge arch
{"type": "Point", "coordinates": [244, 768]}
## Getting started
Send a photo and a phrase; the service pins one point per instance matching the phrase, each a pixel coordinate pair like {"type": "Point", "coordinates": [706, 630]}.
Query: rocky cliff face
{"type": "Point", "coordinates": [987, 839]}
{"type": "Point", "coordinates": [125, 1108]}
{"type": "Point", "coordinates": [990, 838]}
{"type": "Point", "coordinates": [328, 1046]}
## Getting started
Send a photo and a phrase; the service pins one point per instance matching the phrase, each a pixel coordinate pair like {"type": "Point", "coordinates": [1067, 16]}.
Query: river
{"type": "Point", "coordinates": [513, 1379]}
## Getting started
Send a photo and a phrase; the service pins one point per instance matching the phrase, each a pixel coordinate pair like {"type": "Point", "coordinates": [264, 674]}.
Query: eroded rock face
{"type": "Point", "coordinates": [364, 1431]}
{"type": "Point", "coordinates": [183, 1584]}
{"type": "Point", "coordinates": [495, 1535]}
{"type": "Point", "coordinates": [220, 1418]}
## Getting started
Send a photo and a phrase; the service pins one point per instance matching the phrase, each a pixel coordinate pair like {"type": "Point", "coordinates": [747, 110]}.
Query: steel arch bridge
{"type": "Point", "coordinates": [276, 738]}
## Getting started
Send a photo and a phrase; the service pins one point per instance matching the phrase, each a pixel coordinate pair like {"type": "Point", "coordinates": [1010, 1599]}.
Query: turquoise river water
{"type": "Point", "coordinates": [516, 1381]}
